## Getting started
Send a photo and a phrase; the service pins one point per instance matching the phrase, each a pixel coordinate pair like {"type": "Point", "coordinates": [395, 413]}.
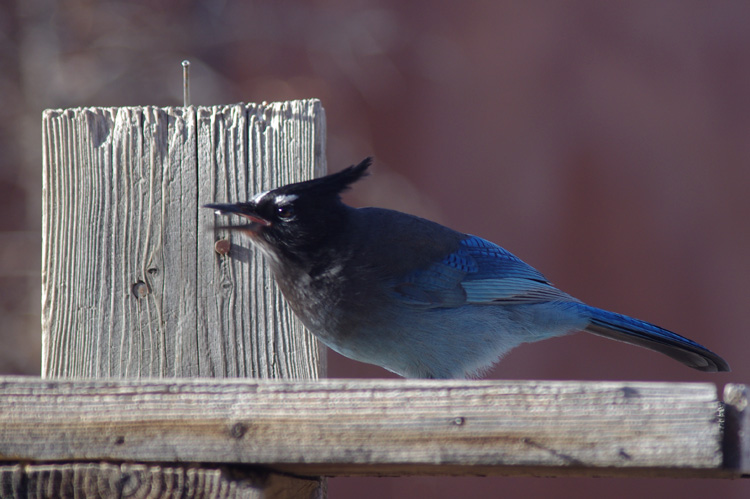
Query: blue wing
{"type": "Point", "coordinates": [478, 272]}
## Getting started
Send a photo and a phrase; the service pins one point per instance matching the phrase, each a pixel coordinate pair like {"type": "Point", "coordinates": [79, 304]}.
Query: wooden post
{"type": "Point", "coordinates": [131, 283]}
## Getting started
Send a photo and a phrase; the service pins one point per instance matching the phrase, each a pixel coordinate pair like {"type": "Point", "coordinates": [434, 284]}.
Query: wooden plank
{"type": "Point", "coordinates": [737, 448]}
{"type": "Point", "coordinates": [131, 284]}
{"type": "Point", "coordinates": [373, 427]}
{"type": "Point", "coordinates": [77, 152]}
{"type": "Point", "coordinates": [107, 211]}
{"type": "Point", "coordinates": [142, 481]}
{"type": "Point", "coordinates": [246, 328]}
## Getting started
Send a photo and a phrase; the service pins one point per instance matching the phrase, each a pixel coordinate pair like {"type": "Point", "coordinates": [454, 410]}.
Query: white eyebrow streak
{"type": "Point", "coordinates": [258, 196]}
{"type": "Point", "coordinates": [285, 198]}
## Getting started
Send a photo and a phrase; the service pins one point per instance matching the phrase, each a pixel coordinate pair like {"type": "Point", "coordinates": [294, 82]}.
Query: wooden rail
{"type": "Point", "coordinates": [383, 427]}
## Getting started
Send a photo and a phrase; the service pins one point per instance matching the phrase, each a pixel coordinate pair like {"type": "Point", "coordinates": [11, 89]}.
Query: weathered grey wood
{"type": "Point", "coordinates": [243, 150]}
{"type": "Point", "coordinates": [131, 283]}
{"type": "Point", "coordinates": [106, 480]}
{"type": "Point", "coordinates": [351, 427]}
{"type": "Point", "coordinates": [737, 450]}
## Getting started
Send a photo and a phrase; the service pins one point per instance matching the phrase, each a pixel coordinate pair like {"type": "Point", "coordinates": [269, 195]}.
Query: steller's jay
{"type": "Point", "coordinates": [413, 296]}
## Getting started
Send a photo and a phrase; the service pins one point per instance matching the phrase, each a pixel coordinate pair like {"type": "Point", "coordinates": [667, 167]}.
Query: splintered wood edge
{"type": "Point", "coordinates": [737, 429]}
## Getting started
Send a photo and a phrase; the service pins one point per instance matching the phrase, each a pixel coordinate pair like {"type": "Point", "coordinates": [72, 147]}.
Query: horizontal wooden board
{"type": "Point", "coordinates": [355, 427]}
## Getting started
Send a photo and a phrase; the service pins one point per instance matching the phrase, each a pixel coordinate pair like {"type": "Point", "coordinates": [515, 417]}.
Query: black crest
{"type": "Point", "coordinates": [330, 185]}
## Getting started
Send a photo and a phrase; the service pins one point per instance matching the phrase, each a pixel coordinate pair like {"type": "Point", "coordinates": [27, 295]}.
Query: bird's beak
{"type": "Point", "coordinates": [244, 210]}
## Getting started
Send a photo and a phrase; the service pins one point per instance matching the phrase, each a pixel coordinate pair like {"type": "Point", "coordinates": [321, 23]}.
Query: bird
{"type": "Point", "coordinates": [413, 296]}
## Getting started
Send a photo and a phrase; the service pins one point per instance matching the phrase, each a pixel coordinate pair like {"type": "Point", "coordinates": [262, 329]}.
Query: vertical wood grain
{"type": "Point", "coordinates": [243, 150]}
{"type": "Point", "coordinates": [137, 481]}
{"type": "Point", "coordinates": [131, 283]}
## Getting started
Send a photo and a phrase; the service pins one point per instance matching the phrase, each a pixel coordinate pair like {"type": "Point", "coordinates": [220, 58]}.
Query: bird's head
{"type": "Point", "coordinates": [296, 217]}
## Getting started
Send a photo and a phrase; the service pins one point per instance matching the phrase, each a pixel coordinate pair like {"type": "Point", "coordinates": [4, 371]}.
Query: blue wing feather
{"type": "Point", "coordinates": [493, 262]}
{"type": "Point", "coordinates": [478, 272]}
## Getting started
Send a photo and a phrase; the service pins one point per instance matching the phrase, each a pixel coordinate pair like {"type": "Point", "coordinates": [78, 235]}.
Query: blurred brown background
{"type": "Point", "coordinates": [606, 144]}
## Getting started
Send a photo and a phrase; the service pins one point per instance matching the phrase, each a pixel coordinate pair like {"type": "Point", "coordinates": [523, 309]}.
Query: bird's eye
{"type": "Point", "coordinates": [285, 212]}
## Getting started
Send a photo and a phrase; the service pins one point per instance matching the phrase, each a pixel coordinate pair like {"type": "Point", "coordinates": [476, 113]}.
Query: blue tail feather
{"type": "Point", "coordinates": [641, 333]}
